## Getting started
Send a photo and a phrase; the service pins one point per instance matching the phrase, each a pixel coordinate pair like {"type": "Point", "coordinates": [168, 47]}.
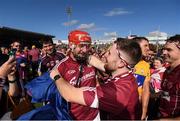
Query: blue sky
{"type": "Point", "coordinates": [101, 18]}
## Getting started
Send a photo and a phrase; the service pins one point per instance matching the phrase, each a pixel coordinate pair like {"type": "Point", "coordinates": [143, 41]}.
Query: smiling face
{"type": "Point", "coordinates": [144, 47]}
{"type": "Point", "coordinates": [81, 52]}
{"type": "Point", "coordinates": [48, 48]}
{"type": "Point", "coordinates": [171, 53]}
{"type": "Point", "coordinates": [157, 63]}
{"type": "Point", "coordinates": [79, 43]}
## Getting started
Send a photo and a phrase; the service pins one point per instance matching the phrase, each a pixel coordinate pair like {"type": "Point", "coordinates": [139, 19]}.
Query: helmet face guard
{"type": "Point", "coordinates": [79, 37]}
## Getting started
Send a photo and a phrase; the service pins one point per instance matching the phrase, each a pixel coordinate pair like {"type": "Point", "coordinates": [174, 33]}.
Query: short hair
{"type": "Point", "coordinates": [175, 38]}
{"type": "Point", "coordinates": [47, 41]}
{"type": "Point", "coordinates": [17, 41]}
{"type": "Point", "coordinates": [159, 58]}
{"type": "Point", "coordinates": [139, 39]}
{"type": "Point", "coordinates": [131, 48]}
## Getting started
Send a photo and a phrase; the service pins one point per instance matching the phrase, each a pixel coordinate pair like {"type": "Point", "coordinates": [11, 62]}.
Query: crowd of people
{"type": "Point", "coordinates": [118, 81]}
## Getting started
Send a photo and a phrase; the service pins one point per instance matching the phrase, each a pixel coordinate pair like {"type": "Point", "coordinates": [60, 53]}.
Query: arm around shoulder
{"type": "Point", "coordinates": [67, 91]}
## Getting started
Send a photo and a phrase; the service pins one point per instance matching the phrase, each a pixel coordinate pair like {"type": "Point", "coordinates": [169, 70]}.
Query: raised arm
{"type": "Point", "coordinates": [5, 69]}
{"type": "Point", "coordinates": [13, 87]}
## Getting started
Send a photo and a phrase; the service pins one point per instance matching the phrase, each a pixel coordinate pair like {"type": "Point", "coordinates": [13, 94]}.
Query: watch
{"type": "Point", "coordinates": [56, 77]}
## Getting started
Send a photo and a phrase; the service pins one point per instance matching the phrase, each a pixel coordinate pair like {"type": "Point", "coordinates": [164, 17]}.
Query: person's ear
{"type": "Point", "coordinates": [120, 64]}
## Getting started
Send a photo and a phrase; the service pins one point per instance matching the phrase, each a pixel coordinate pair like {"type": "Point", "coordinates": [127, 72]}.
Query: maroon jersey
{"type": "Point", "coordinates": [118, 97]}
{"type": "Point", "coordinates": [69, 69]}
{"type": "Point", "coordinates": [49, 61]}
{"type": "Point", "coordinates": [34, 53]}
{"type": "Point", "coordinates": [170, 100]}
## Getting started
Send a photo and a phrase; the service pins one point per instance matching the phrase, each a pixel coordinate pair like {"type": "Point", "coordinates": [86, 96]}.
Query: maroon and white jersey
{"type": "Point", "coordinates": [156, 78]}
{"type": "Point", "coordinates": [118, 97]}
{"type": "Point", "coordinates": [49, 61]}
{"type": "Point", "coordinates": [69, 70]}
{"type": "Point", "coordinates": [170, 100]}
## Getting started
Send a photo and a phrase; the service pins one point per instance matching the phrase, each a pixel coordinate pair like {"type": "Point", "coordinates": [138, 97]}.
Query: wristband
{"type": "Point", "coordinates": [56, 78]}
{"type": "Point", "coordinates": [12, 81]}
